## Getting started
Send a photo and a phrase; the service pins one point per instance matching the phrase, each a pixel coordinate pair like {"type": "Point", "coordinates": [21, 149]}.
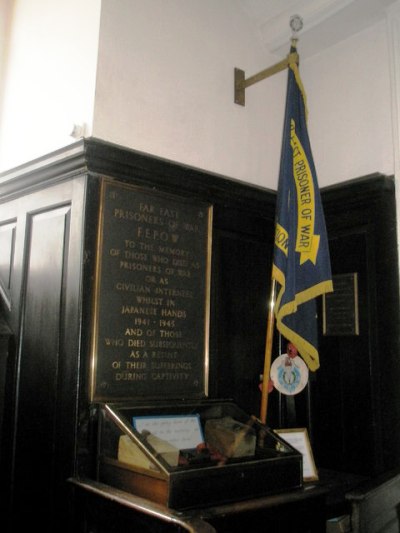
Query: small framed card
{"type": "Point", "coordinates": [182, 431]}
{"type": "Point", "coordinates": [298, 438]}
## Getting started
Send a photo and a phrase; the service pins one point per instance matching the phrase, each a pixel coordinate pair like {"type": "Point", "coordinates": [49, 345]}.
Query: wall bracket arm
{"type": "Point", "coordinates": [241, 83]}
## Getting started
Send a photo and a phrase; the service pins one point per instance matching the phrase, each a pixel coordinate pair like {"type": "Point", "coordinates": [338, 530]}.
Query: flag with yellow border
{"type": "Point", "coordinates": [301, 264]}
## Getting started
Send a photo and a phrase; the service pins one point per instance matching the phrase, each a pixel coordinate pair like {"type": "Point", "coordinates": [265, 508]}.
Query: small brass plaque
{"type": "Point", "coordinates": [340, 307]}
{"type": "Point", "coordinates": [151, 312]}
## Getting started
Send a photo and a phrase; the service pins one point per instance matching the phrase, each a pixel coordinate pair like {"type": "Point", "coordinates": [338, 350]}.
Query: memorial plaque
{"type": "Point", "coordinates": [151, 311]}
{"type": "Point", "coordinates": [340, 307]}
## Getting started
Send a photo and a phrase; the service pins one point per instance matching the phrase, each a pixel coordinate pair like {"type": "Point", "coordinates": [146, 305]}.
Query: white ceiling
{"type": "Point", "coordinates": [325, 22]}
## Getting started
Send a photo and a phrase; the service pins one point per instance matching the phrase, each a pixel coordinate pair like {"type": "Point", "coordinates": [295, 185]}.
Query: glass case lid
{"type": "Point", "coordinates": [167, 438]}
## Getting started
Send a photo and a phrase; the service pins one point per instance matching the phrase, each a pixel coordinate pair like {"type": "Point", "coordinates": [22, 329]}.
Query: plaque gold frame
{"type": "Point", "coordinates": [101, 388]}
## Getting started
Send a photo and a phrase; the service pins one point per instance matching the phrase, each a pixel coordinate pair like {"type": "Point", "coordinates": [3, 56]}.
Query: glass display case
{"type": "Point", "coordinates": [192, 454]}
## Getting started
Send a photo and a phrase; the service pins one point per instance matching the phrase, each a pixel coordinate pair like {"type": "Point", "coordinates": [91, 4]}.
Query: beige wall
{"type": "Point", "coordinates": [49, 79]}
{"type": "Point", "coordinates": [157, 76]}
{"type": "Point", "coordinates": [165, 86]}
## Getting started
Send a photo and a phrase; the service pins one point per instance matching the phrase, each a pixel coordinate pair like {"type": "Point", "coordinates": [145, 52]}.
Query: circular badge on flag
{"type": "Point", "coordinates": [289, 374]}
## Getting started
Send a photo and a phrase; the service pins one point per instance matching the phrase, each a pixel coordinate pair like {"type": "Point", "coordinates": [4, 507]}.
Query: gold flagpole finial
{"type": "Point", "coordinates": [241, 82]}
{"type": "Point", "coordinates": [296, 25]}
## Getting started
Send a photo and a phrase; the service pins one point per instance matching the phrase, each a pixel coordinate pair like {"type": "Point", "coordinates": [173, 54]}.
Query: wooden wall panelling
{"type": "Point", "coordinates": [357, 430]}
{"type": "Point", "coordinates": [38, 417]}
{"type": "Point", "coordinates": [241, 286]}
{"type": "Point", "coordinates": [243, 220]}
{"type": "Point", "coordinates": [7, 247]}
{"type": "Point", "coordinates": [54, 206]}
{"type": "Point", "coordinates": [62, 247]}
{"type": "Point", "coordinates": [42, 379]}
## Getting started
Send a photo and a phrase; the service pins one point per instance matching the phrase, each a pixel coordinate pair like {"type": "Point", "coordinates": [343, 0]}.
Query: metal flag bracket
{"type": "Point", "coordinates": [241, 83]}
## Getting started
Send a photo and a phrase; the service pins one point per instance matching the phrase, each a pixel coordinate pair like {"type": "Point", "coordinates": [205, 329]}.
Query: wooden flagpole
{"type": "Point", "coordinates": [267, 356]}
{"type": "Point", "coordinates": [296, 24]}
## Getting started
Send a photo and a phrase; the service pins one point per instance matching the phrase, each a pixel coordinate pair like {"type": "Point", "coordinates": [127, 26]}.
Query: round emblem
{"type": "Point", "coordinates": [289, 374]}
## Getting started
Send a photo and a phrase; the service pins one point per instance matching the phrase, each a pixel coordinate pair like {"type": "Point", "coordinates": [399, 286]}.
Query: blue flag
{"type": "Point", "coordinates": [301, 265]}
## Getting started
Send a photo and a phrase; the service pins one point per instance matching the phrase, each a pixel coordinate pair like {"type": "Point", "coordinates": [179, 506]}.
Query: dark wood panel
{"type": "Point", "coordinates": [375, 504]}
{"type": "Point", "coordinates": [242, 278]}
{"type": "Point", "coordinates": [355, 393]}
{"type": "Point", "coordinates": [36, 436]}
{"type": "Point", "coordinates": [355, 400]}
{"type": "Point", "coordinates": [344, 440]}
{"type": "Point", "coordinates": [7, 247]}
{"type": "Point", "coordinates": [42, 376]}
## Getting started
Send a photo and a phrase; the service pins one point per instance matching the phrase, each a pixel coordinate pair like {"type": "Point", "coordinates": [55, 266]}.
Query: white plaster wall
{"type": "Point", "coordinates": [6, 11]}
{"type": "Point", "coordinates": [350, 122]}
{"type": "Point", "coordinates": [49, 77]}
{"type": "Point", "coordinates": [165, 86]}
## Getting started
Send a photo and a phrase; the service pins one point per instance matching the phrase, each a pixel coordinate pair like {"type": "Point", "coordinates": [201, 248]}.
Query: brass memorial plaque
{"type": "Point", "coordinates": [152, 295]}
